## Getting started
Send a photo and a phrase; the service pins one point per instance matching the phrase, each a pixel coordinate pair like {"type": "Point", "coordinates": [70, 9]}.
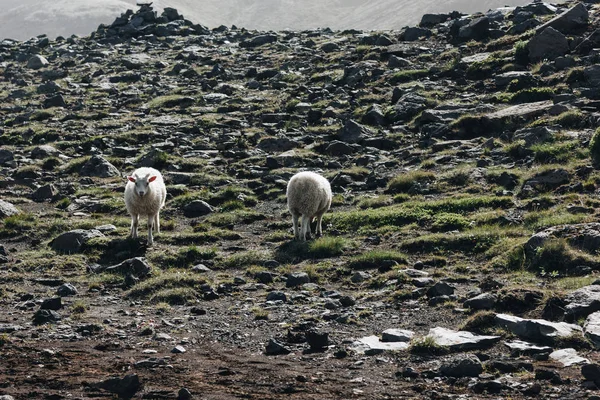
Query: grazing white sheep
{"type": "Point", "coordinates": [145, 194]}
{"type": "Point", "coordinates": [309, 195]}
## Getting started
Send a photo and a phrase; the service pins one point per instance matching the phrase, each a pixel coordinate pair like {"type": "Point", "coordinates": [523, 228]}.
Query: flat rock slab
{"type": "Point", "coordinates": [536, 329]}
{"type": "Point", "coordinates": [518, 347]}
{"type": "Point", "coordinates": [460, 340]}
{"type": "Point", "coordinates": [7, 209]}
{"type": "Point", "coordinates": [371, 345]}
{"type": "Point", "coordinates": [396, 335]}
{"type": "Point", "coordinates": [522, 110]}
{"type": "Point", "coordinates": [582, 302]}
{"type": "Point", "coordinates": [591, 328]}
{"type": "Point", "coordinates": [568, 357]}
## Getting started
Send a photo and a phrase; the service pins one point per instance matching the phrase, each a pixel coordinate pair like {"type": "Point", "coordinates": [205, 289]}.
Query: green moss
{"type": "Point", "coordinates": [409, 75]}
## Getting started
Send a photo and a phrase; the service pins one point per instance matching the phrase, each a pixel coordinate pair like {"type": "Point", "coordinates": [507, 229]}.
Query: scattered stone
{"type": "Point", "coordinates": [73, 241]}
{"type": "Point", "coordinates": [440, 289]}
{"type": "Point", "coordinates": [297, 279]}
{"type": "Point", "coordinates": [54, 303]}
{"type": "Point", "coordinates": [462, 365]}
{"type": "Point", "coordinates": [179, 349]}
{"type": "Point", "coordinates": [537, 329]}
{"type": "Point", "coordinates": [276, 348]}
{"type": "Point", "coordinates": [484, 301]}
{"type": "Point", "coordinates": [568, 357]}
{"type": "Point", "coordinates": [37, 62]}
{"type": "Point", "coordinates": [397, 335]}
{"type": "Point", "coordinates": [197, 208]}
{"type": "Point", "coordinates": [317, 340]}
{"type": "Point", "coordinates": [100, 167]}
{"type": "Point", "coordinates": [371, 345]}
{"type": "Point", "coordinates": [460, 340]}
{"type": "Point", "coordinates": [42, 317]}
{"type": "Point", "coordinates": [8, 209]}
{"type": "Point", "coordinates": [548, 44]}
{"type": "Point", "coordinates": [519, 347]}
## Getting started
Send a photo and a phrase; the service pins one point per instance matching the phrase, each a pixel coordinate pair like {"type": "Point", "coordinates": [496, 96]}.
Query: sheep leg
{"type": "Point", "coordinates": [319, 227]}
{"type": "Point", "coordinates": [150, 224]}
{"type": "Point", "coordinates": [157, 222]}
{"type": "Point", "coordinates": [305, 227]}
{"type": "Point", "coordinates": [134, 225]}
{"type": "Point", "coordinates": [295, 225]}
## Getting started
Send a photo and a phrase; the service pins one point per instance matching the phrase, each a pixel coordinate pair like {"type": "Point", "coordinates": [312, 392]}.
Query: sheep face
{"type": "Point", "coordinates": [142, 184]}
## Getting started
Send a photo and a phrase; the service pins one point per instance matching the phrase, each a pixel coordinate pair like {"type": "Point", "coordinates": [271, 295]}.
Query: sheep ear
{"type": "Point", "coordinates": [131, 179]}
{"type": "Point", "coordinates": [152, 178]}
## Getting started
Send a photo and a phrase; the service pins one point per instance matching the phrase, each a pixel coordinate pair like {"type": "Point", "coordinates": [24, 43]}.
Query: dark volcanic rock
{"type": "Point", "coordinates": [100, 167]}
{"type": "Point", "coordinates": [73, 241]}
{"type": "Point", "coordinates": [548, 44]}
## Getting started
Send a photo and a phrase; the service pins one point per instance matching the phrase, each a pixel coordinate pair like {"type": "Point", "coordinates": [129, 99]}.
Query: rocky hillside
{"type": "Point", "coordinates": [23, 19]}
{"type": "Point", "coordinates": [459, 259]}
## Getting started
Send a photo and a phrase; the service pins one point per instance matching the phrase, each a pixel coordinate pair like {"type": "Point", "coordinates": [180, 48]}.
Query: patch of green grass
{"type": "Point", "coordinates": [366, 202]}
{"type": "Point", "coordinates": [528, 95]}
{"type": "Point", "coordinates": [444, 222]}
{"type": "Point", "coordinates": [481, 322]}
{"type": "Point", "coordinates": [405, 181]}
{"type": "Point", "coordinates": [572, 283]}
{"type": "Point", "coordinates": [245, 258]}
{"type": "Point", "coordinates": [183, 258]}
{"type": "Point", "coordinates": [17, 224]}
{"type": "Point", "coordinates": [408, 75]}
{"type": "Point", "coordinates": [327, 246]}
{"type": "Point", "coordinates": [233, 217]}
{"type": "Point", "coordinates": [521, 52]}
{"type": "Point", "coordinates": [556, 258]}
{"type": "Point", "coordinates": [171, 279]}
{"type": "Point", "coordinates": [174, 296]}
{"type": "Point", "coordinates": [559, 152]}
{"type": "Point", "coordinates": [537, 220]}
{"type": "Point", "coordinates": [374, 258]}
{"type": "Point", "coordinates": [475, 241]}
{"type": "Point", "coordinates": [574, 119]}
{"type": "Point", "coordinates": [595, 147]}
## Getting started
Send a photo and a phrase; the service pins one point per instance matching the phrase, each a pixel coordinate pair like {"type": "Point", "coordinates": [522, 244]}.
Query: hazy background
{"type": "Point", "coordinates": [23, 19]}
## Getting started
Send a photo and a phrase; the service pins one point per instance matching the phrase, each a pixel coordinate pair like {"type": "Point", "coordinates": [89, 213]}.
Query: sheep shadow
{"type": "Point", "coordinates": [292, 251]}
{"type": "Point", "coordinates": [118, 250]}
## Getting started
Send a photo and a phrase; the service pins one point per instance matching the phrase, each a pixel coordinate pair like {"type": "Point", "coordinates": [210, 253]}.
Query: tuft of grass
{"type": "Point", "coordinates": [427, 345]}
{"type": "Point", "coordinates": [171, 279]}
{"type": "Point", "coordinates": [521, 53]}
{"type": "Point", "coordinates": [475, 241]}
{"type": "Point", "coordinates": [174, 296]}
{"type": "Point", "coordinates": [595, 147]}
{"type": "Point", "coordinates": [481, 322]}
{"type": "Point", "coordinates": [444, 222]}
{"type": "Point", "coordinates": [79, 307]}
{"type": "Point", "coordinates": [374, 258]}
{"type": "Point", "coordinates": [246, 258]}
{"type": "Point", "coordinates": [327, 246]}
{"type": "Point", "coordinates": [405, 181]}
{"type": "Point", "coordinates": [260, 314]}
{"type": "Point", "coordinates": [409, 75]}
